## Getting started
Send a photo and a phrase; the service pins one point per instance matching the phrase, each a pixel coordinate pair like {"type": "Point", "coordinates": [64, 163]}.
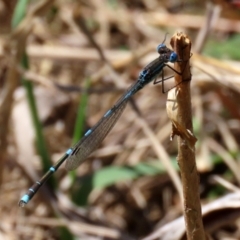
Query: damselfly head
{"type": "Point", "coordinates": [161, 48]}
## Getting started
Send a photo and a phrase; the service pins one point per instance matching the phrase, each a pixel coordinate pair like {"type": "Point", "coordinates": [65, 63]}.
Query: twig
{"type": "Point", "coordinates": [179, 111]}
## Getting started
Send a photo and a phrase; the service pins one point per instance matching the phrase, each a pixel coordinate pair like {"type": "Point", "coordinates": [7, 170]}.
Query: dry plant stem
{"type": "Point", "coordinates": [6, 99]}
{"type": "Point", "coordinates": [161, 154]}
{"type": "Point", "coordinates": [181, 116]}
{"type": "Point", "coordinates": [77, 227]}
{"type": "Point", "coordinates": [212, 16]}
{"type": "Point", "coordinates": [189, 21]}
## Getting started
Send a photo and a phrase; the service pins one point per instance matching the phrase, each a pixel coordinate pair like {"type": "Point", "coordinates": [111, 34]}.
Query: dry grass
{"type": "Point", "coordinates": [109, 42]}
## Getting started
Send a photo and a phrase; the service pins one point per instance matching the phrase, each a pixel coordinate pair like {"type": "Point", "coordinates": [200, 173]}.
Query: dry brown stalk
{"type": "Point", "coordinates": [179, 111]}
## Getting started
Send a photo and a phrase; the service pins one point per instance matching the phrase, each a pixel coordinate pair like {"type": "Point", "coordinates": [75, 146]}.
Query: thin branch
{"type": "Point", "coordinates": [179, 111]}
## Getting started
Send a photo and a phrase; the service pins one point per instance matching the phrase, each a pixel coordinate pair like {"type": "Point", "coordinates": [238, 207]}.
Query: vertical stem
{"type": "Point", "coordinates": [20, 15]}
{"type": "Point", "coordinates": [181, 116]}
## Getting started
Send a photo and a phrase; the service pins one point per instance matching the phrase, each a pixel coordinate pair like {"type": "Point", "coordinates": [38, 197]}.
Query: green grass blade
{"type": "Point", "coordinates": [19, 13]}
{"type": "Point", "coordinates": [80, 122]}
{"type": "Point", "coordinates": [81, 116]}
{"type": "Point", "coordinates": [111, 175]}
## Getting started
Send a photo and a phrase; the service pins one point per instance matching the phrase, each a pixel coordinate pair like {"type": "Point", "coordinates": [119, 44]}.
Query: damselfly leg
{"type": "Point", "coordinates": [163, 79]}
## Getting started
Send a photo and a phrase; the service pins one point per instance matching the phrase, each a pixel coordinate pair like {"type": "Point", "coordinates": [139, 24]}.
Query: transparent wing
{"type": "Point", "coordinates": [95, 136]}
{"type": "Point", "coordinates": [91, 141]}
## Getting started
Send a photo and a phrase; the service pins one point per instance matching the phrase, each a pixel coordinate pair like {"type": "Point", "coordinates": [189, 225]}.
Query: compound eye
{"type": "Point", "coordinates": [173, 57]}
{"type": "Point", "coordinates": [160, 48]}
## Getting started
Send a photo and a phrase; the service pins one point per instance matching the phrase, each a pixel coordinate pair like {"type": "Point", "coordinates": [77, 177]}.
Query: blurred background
{"type": "Point", "coordinates": [64, 63]}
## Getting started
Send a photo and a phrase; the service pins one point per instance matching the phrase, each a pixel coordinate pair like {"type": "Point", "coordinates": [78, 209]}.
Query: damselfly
{"type": "Point", "coordinates": [93, 137]}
